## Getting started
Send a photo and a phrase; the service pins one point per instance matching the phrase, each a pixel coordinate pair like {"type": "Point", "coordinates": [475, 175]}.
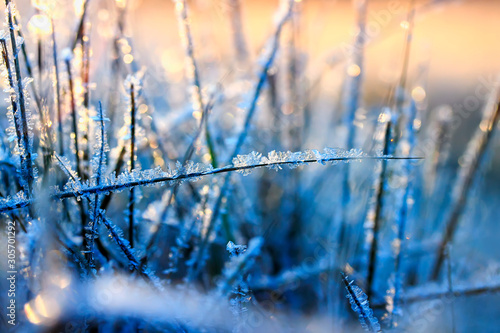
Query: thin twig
{"type": "Point", "coordinates": [132, 166]}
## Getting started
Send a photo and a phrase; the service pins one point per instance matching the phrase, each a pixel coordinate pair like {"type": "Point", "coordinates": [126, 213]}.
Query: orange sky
{"type": "Point", "coordinates": [456, 41]}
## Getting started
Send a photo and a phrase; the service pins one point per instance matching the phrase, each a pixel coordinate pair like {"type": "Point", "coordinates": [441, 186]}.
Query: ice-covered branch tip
{"type": "Point", "coordinates": [116, 234]}
{"type": "Point", "coordinates": [360, 305]}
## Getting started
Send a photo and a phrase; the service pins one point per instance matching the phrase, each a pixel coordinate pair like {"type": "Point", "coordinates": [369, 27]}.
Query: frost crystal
{"type": "Point", "coordinates": [241, 161]}
{"type": "Point", "coordinates": [275, 160]}
{"type": "Point", "coordinates": [14, 201]}
{"type": "Point", "coordinates": [73, 183]}
{"type": "Point", "coordinates": [135, 80]}
{"type": "Point", "coordinates": [235, 250]}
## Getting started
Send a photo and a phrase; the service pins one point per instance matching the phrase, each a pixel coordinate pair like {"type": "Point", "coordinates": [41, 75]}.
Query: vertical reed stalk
{"type": "Point", "coordinates": [404, 211]}
{"type": "Point", "coordinates": [474, 155]}
{"type": "Point", "coordinates": [85, 84]}
{"type": "Point", "coordinates": [58, 92]}
{"type": "Point", "coordinates": [29, 69]}
{"type": "Point", "coordinates": [74, 122]}
{"type": "Point", "coordinates": [132, 165]}
{"type": "Point", "coordinates": [376, 215]}
{"type": "Point", "coordinates": [239, 41]}
{"type": "Point", "coordinates": [401, 88]}
{"type": "Point", "coordinates": [74, 117]}
{"type": "Point", "coordinates": [80, 28]}
{"type": "Point", "coordinates": [28, 175]}
{"type": "Point", "coordinates": [352, 99]}
{"type": "Point", "coordinates": [17, 126]}
{"type": "Point", "coordinates": [199, 263]}
{"type": "Point", "coordinates": [98, 175]}
{"type": "Point", "coordinates": [185, 31]}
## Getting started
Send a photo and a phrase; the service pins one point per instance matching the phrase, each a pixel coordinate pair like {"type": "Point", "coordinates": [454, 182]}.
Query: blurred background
{"type": "Point", "coordinates": [453, 52]}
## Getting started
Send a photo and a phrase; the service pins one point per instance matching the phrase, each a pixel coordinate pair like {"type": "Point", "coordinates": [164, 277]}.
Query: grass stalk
{"type": "Point", "coordinates": [241, 138]}
{"type": "Point", "coordinates": [28, 174]}
{"type": "Point", "coordinates": [58, 92]}
{"type": "Point", "coordinates": [29, 69]}
{"type": "Point", "coordinates": [402, 219]}
{"type": "Point", "coordinates": [446, 294]}
{"type": "Point", "coordinates": [378, 198]}
{"type": "Point", "coordinates": [85, 74]}
{"type": "Point", "coordinates": [239, 41]}
{"type": "Point", "coordinates": [74, 122]}
{"type": "Point", "coordinates": [194, 73]}
{"type": "Point", "coordinates": [98, 176]}
{"type": "Point", "coordinates": [80, 30]}
{"type": "Point", "coordinates": [17, 125]}
{"type": "Point", "coordinates": [132, 165]}
{"type": "Point", "coordinates": [187, 156]}
{"type": "Point", "coordinates": [352, 99]}
{"type": "Point", "coordinates": [162, 180]}
{"type": "Point", "coordinates": [473, 157]}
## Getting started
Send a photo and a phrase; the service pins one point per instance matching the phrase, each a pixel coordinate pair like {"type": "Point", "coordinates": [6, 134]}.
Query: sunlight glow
{"type": "Point", "coordinates": [353, 70]}
{"type": "Point", "coordinates": [418, 94]}
{"type": "Point", "coordinates": [40, 24]}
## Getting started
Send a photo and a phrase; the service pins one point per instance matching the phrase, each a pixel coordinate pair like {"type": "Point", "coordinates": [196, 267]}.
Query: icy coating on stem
{"type": "Point", "coordinates": [192, 171]}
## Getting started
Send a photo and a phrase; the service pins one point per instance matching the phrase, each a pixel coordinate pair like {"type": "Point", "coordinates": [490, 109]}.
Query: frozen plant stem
{"type": "Point", "coordinates": [403, 213]}
{"type": "Point", "coordinates": [240, 44]}
{"type": "Point", "coordinates": [243, 134]}
{"type": "Point", "coordinates": [86, 92]}
{"type": "Point", "coordinates": [80, 29]}
{"type": "Point", "coordinates": [447, 294]}
{"type": "Point", "coordinates": [98, 177]}
{"type": "Point", "coordinates": [129, 252]}
{"type": "Point", "coordinates": [474, 155]}
{"type": "Point", "coordinates": [223, 170]}
{"type": "Point", "coordinates": [28, 165]}
{"type": "Point", "coordinates": [29, 68]}
{"type": "Point", "coordinates": [352, 98]}
{"type": "Point", "coordinates": [194, 74]}
{"type": "Point", "coordinates": [377, 216]}
{"type": "Point", "coordinates": [360, 305]}
{"type": "Point", "coordinates": [58, 92]}
{"type": "Point", "coordinates": [163, 178]}
{"type": "Point", "coordinates": [401, 88]}
{"type": "Point", "coordinates": [132, 166]}
{"type": "Point", "coordinates": [40, 55]}
{"type": "Point", "coordinates": [5, 57]}
{"type": "Point", "coordinates": [74, 118]}
{"type": "Point", "coordinates": [449, 275]}
{"type": "Point", "coordinates": [187, 155]}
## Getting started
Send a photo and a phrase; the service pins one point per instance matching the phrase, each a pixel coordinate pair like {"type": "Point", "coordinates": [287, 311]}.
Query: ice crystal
{"type": "Point", "coordinates": [235, 250]}
{"type": "Point", "coordinates": [241, 262]}
{"type": "Point", "coordinates": [135, 80]}
{"type": "Point", "coordinates": [241, 161]}
{"type": "Point", "coordinates": [17, 200]}
{"type": "Point", "coordinates": [275, 160]}
{"type": "Point", "coordinates": [74, 184]}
